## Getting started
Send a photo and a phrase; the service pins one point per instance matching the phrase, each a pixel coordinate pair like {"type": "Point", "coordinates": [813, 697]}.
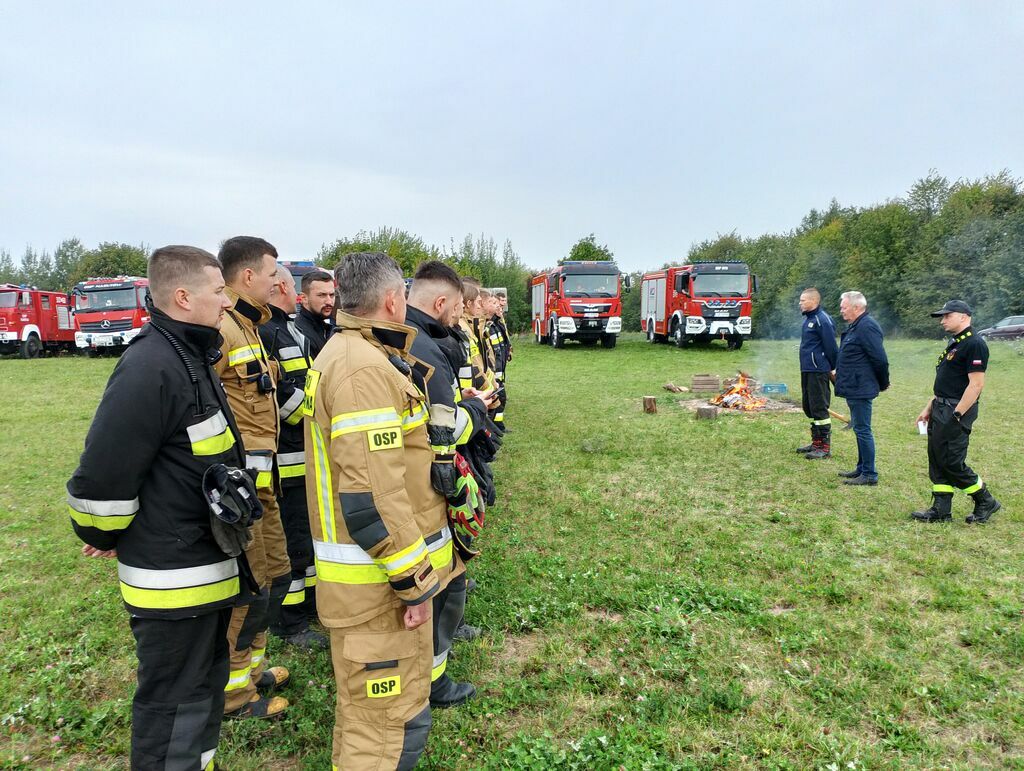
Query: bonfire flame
{"type": "Point", "coordinates": [740, 395]}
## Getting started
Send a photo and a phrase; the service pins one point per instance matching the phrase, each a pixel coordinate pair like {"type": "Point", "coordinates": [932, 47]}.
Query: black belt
{"type": "Point", "coordinates": [946, 400]}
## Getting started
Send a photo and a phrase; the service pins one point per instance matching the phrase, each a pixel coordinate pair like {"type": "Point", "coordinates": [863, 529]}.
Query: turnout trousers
{"type": "Point", "coordinates": [247, 632]}
{"type": "Point", "coordinates": [948, 439]}
{"type": "Point", "coordinates": [382, 672]}
{"type": "Point", "coordinates": [179, 703]}
{"type": "Point", "coordinates": [449, 606]}
{"type": "Point", "coordinates": [299, 604]}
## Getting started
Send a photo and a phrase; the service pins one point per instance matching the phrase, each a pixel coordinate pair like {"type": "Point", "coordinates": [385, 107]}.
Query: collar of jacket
{"type": "Point", "coordinates": [426, 322]}
{"type": "Point", "coordinates": [812, 312]}
{"type": "Point", "coordinates": [964, 334]}
{"type": "Point", "coordinates": [393, 337]}
{"type": "Point", "coordinates": [246, 306]}
{"type": "Point", "coordinates": [857, 321]}
{"type": "Point", "coordinates": [315, 318]}
{"type": "Point", "coordinates": [279, 314]}
{"type": "Point", "coordinates": [199, 340]}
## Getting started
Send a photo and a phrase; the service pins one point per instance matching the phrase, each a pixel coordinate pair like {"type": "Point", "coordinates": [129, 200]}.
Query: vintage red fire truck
{"type": "Point", "coordinates": [698, 302]}
{"type": "Point", "coordinates": [110, 312]}
{"type": "Point", "coordinates": [578, 300]}
{"type": "Point", "coordinates": [33, 320]}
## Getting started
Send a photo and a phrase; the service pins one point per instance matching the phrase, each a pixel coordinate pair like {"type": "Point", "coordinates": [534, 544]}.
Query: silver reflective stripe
{"type": "Point", "coordinates": [291, 458]}
{"type": "Point", "coordinates": [461, 421]}
{"type": "Point", "coordinates": [293, 403]}
{"type": "Point", "coordinates": [298, 585]}
{"type": "Point", "coordinates": [311, 571]}
{"type": "Point", "coordinates": [291, 352]}
{"type": "Point", "coordinates": [259, 462]}
{"type": "Point", "coordinates": [387, 416]}
{"type": "Point", "coordinates": [181, 578]}
{"type": "Point", "coordinates": [342, 553]}
{"type": "Point", "coordinates": [403, 563]}
{"type": "Point", "coordinates": [206, 757]}
{"type": "Point", "coordinates": [439, 539]}
{"type": "Point", "coordinates": [465, 372]}
{"type": "Point", "coordinates": [440, 658]}
{"type": "Point", "coordinates": [215, 425]}
{"type": "Point", "coordinates": [104, 508]}
{"type": "Point", "coordinates": [417, 416]}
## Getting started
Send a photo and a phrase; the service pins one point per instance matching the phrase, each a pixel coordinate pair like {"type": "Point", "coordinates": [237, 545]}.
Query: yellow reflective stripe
{"type": "Point", "coordinates": [943, 489]}
{"type": "Point", "coordinates": [440, 665]}
{"type": "Point", "coordinates": [237, 678]}
{"type": "Point", "coordinates": [442, 557]}
{"type": "Point", "coordinates": [337, 573]}
{"type": "Point", "coordinates": [297, 470]}
{"type": "Point", "coordinates": [294, 598]}
{"type": "Point", "coordinates": [168, 599]}
{"type": "Point", "coordinates": [211, 437]}
{"type": "Point", "coordinates": [364, 420]}
{"type": "Point", "coordinates": [412, 419]}
{"type": "Point", "coordinates": [244, 354]}
{"type": "Point", "coordinates": [401, 561]}
{"type": "Point", "coordinates": [265, 479]}
{"type": "Point", "coordinates": [325, 495]}
{"type": "Point", "coordinates": [971, 489]}
{"type": "Point", "coordinates": [257, 656]}
{"type": "Point", "coordinates": [310, 581]}
{"type": "Point", "coordinates": [443, 449]}
{"type": "Point", "coordinates": [100, 523]}
{"type": "Point", "coordinates": [215, 445]}
{"type": "Point", "coordinates": [290, 365]}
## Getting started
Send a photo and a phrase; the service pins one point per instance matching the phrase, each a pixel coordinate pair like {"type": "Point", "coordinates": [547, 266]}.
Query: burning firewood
{"type": "Point", "coordinates": [740, 395]}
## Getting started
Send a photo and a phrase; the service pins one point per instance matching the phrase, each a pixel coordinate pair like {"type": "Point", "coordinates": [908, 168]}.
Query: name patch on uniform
{"type": "Point", "coordinates": [384, 687]}
{"type": "Point", "coordinates": [312, 381]}
{"type": "Point", "coordinates": [384, 438]}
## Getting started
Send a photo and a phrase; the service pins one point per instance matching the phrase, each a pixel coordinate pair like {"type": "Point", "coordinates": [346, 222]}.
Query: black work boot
{"type": "Point", "coordinates": [984, 507]}
{"type": "Point", "coordinates": [808, 447]}
{"type": "Point", "coordinates": [941, 509]}
{"type": "Point", "coordinates": [824, 445]}
{"type": "Point", "coordinates": [445, 692]}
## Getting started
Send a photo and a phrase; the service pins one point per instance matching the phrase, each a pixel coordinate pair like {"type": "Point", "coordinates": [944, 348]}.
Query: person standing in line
{"type": "Point", "coordinates": [137, 496]}
{"type": "Point", "coordinates": [315, 317]}
{"type": "Point", "coordinates": [862, 372]}
{"type": "Point", "coordinates": [818, 354]}
{"type": "Point", "coordinates": [950, 415]}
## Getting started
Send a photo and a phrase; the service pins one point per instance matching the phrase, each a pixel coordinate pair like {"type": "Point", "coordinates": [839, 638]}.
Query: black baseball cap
{"type": "Point", "coordinates": [953, 306]}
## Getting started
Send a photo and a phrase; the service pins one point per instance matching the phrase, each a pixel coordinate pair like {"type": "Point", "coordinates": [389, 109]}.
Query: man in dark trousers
{"type": "Point", "coordinates": [137, 495]}
{"type": "Point", "coordinates": [315, 316]}
{"type": "Point", "coordinates": [950, 415]}
{"type": "Point", "coordinates": [862, 371]}
{"type": "Point", "coordinates": [818, 355]}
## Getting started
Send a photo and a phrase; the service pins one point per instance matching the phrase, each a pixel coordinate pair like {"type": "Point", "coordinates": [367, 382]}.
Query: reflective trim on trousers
{"type": "Point", "coordinates": [310, 576]}
{"type": "Point", "coordinates": [206, 759]}
{"type": "Point", "coordinates": [296, 592]}
{"type": "Point", "coordinates": [290, 412]}
{"type": "Point", "coordinates": [238, 678]}
{"type": "Point", "coordinates": [439, 666]}
{"type": "Point", "coordinates": [822, 422]}
{"type": "Point", "coordinates": [258, 655]}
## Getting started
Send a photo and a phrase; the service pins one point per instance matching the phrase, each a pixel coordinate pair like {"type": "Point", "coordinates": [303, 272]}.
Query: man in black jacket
{"type": "Point", "coordinates": [433, 302]}
{"type": "Point", "coordinates": [290, 349]}
{"type": "Point", "coordinates": [818, 354]}
{"type": "Point", "coordinates": [137, 495]}
{"type": "Point", "coordinates": [315, 317]}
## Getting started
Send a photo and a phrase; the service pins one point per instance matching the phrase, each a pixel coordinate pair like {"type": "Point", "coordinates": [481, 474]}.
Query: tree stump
{"type": "Point", "coordinates": [650, 404]}
{"type": "Point", "coordinates": [707, 412]}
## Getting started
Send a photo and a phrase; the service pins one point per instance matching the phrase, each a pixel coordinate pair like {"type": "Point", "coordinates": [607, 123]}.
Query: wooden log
{"type": "Point", "coordinates": [706, 383]}
{"type": "Point", "coordinates": [707, 412]}
{"type": "Point", "coordinates": [650, 404]}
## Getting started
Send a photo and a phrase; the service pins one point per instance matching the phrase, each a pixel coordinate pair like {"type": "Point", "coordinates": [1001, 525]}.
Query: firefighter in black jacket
{"type": "Point", "coordinates": [433, 303]}
{"type": "Point", "coordinates": [315, 317]}
{"type": "Point", "coordinates": [137, 496]}
{"type": "Point", "coordinates": [291, 351]}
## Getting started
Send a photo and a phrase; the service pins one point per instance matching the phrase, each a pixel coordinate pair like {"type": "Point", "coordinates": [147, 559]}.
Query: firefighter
{"type": "Point", "coordinates": [290, 349]}
{"type": "Point", "coordinates": [474, 374]}
{"type": "Point", "coordinates": [454, 418]}
{"type": "Point", "coordinates": [497, 333]}
{"type": "Point", "coordinates": [818, 354]}
{"type": "Point", "coordinates": [249, 374]}
{"type": "Point", "coordinates": [379, 529]}
{"type": "Point", "coordinates": [950, 415]}
{"type": "Point", "coordinates": [315, 317]}
{"type": "Point", "coordinates": [137, 496]}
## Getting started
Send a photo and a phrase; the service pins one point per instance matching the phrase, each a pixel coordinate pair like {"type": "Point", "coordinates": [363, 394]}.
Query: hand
{"type": "Point", "coordinates": [926, 415]}
{"type": "Point", "coordinates": [417, 615]}
{"type": "Point", "coordinates": [92, 551]}
{"type": "Point", "coordinates": [832, 376]}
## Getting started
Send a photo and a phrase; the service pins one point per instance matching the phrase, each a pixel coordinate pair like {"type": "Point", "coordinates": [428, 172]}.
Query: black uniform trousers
{"type": "Point", "coordinates": [947, 449]}
{"type": "Point", "coordinates": [449, 606]}
{"type": "Point", "coordinates": [295, 617]}
{"type": "Point", "coordinates": [179, 702]}
{"type": "Point", "coordinates": [816, 391]}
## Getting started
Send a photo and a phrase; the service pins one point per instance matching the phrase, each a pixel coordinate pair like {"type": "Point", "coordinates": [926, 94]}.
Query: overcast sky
{"type": "Point", "coordinates": [654, 125]}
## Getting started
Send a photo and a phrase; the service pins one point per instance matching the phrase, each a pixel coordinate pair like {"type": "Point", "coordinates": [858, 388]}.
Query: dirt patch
{"type": "Point", "coordinates": [780, 608]}
{"type": "Point", "coordinates": [603, 614]}
{"type": "Point", "coordinates": [517, 650]}
{"type": "Point", "coordinates": [772, 405]}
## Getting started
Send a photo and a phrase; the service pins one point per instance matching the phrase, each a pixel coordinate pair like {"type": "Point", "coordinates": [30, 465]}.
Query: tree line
{"type": "Point", "coordinates": [962, 239]}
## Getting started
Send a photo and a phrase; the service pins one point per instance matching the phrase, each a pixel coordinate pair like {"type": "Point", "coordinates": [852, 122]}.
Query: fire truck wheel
{"type": "Point", "coordinates": [91, 353]}
{"type": "Point", "coordinates": [678, 337]}
{"type": "Point", "coordinates": [31, 347]}
{"type": "Point", "coordinates": [608, 341]}
{"type": "Point", "coordinates": [735, 343]}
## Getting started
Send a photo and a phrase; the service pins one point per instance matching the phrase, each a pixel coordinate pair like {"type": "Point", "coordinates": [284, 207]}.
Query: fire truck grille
{"type": "Point", "coordinates": [113, 326]}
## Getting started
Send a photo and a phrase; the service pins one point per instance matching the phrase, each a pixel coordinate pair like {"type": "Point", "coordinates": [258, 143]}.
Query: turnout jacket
{"type": "Point", "coordinates": [818, 349]}
{"type": "Point", "coordinates": [159, 425]}
{"type": "Point", "coordinates": [380, 532]}
{"type": "Point", "coordinates": [474, 373]}
{"type": "Point", "coordinates": [497, 332]}
{"type": "Point", "coordinates": [244, 363]}
{"type": "Point", "coordinates": [289, 349]}
{"type": "Point", "coordinates": [315, 328]}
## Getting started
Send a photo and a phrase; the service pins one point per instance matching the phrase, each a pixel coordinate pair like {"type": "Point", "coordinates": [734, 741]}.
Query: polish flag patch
{"type": "Point", "coordinates": [976, 362]}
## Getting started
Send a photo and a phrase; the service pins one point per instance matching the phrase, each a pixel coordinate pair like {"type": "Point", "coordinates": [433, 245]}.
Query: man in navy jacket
{"type": "Point", "coordinates": [861, 372]}
{"type": "Point", "coordinates": [818, 355]}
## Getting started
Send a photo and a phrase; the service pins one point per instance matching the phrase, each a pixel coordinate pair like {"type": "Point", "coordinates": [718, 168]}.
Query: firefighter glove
{"type": "Point", "coordinates": [466, 507]}
{"type": "Point", "coordinates": [234, 506]}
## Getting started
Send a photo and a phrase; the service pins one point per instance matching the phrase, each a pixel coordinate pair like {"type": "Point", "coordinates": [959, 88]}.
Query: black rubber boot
{"type": "Point", "coordinates": [445, 692]}
{"type": "Point", "coordinates": [941, 509]}
{"type": "Point", "coordinates": [823, 444]}
{"type": "Point", "coordinates": [984, 507]}
{"type": "Point", "coordinates": [808, 447]}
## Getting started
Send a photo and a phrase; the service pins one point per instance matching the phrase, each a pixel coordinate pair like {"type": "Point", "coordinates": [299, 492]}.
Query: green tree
{"type": "Point", "coordinates": [9, 273]}
{"type": "Point", "coordinates": [66, 261]}
{"type": "Point", "coordinates": [407, 249]}
{"type": "Point", "coordinates": [111, 259]}
{"type": "Point", "coordinates": [587, 248]}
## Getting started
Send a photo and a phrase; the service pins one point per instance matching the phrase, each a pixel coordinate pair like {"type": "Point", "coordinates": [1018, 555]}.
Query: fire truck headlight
{"type": "Point", "coordinates": [614, 324]}
{"type": "Point", "coordinates": [80, 340]}
{"type": "Point", "coordinates": [695, 325]}
{"type": "Point", "coordinates": [743, 325]}
{"type": "Point", "coordinates": [566, 325]}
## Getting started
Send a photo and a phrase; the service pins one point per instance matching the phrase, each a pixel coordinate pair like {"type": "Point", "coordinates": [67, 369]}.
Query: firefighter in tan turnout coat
{"type": "Point", "coordinates": [380, 535]}
{"type": "Point", "coordinates": [249, 376]}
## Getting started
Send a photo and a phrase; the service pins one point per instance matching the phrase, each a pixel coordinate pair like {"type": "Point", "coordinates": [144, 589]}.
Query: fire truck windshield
{"type": "Point", "coordinates": [8, 299]}
{"type": "Point", "coordinates": [721, 284]}
{"type": "Point", "coordinates": [590, 284]}
{"type": "Point", "coordinates": [107, 300]}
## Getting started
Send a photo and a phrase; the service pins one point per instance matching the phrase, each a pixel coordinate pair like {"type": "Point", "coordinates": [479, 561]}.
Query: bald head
{"type": "Point", "coordinates": [282, 293]}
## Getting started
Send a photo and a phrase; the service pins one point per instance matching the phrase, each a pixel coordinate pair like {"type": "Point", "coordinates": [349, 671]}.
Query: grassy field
{"type": "Point", "coordinates": [657, 592]}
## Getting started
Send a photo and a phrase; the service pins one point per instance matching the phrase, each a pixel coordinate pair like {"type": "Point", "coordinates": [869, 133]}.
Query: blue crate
{"type": "Point", "coordinates": [775, 388]}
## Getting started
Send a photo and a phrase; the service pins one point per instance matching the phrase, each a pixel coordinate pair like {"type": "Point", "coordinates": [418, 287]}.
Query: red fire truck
{"type": "Point", "coordinates": [110, 312]}
{"type": "Point", "coordinates": [578, 300]}
{"type": "Point", "coordinates": [699, 302]}
{"type": "Point", "coordinates": [32, 320]}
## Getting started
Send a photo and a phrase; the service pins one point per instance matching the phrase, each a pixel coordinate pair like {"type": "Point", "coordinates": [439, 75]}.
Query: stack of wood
{"type": "Point", "coordinates": [706, 383]}
{"type": "Point", "coordinates": [752, 384]}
